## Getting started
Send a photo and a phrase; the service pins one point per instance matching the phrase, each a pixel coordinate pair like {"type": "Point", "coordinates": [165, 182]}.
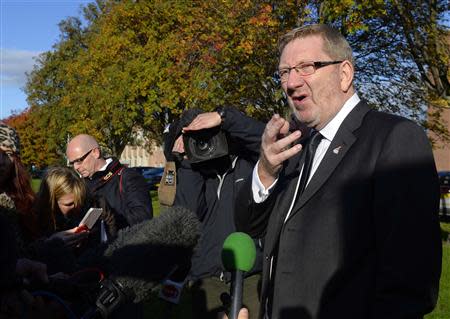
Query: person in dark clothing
{"type": "Point", "coordinates": [124, 189]}
{"type": "Point", "coordinates": [209, 189]}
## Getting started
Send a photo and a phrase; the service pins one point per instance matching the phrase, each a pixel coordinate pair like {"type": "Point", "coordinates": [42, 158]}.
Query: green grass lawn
{"type": "Point", "coordinates": [442, 310]}
{"type": "Point", "coordinates": [155, 203]}
{"type": "Point", "coordinates": [35, 184]}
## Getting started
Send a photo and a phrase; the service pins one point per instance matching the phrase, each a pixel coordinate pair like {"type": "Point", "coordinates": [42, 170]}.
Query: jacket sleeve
{"type": "Point", "coordinates": [137, 197]}
{"type": "Point", "coordinates": [244, 132]}
{"type": "Point", "coordinates": [407, 233]}
{"type": "Point", "coordinates": [250, 217]}
{"type": "Point", "coordinates": [190, 189]}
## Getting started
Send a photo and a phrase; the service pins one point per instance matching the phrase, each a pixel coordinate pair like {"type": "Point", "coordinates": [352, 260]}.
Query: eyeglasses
{"type": "Point", "coordinates": [82, 158]}
{"type": "Point", "coordinates": [304, 68]}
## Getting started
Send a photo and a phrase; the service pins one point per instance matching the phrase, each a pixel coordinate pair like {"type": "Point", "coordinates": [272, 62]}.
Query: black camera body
{"type": "Point", "coordinates": [205, 145]}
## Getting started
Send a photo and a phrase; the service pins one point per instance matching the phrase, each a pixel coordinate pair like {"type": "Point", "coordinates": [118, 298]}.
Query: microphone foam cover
{"type": "Point", "coordinates": [239, 252]}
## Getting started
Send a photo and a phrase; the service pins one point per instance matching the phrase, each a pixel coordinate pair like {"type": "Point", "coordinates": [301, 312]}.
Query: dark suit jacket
{"type": "Point", "coordinates": [363, 241]}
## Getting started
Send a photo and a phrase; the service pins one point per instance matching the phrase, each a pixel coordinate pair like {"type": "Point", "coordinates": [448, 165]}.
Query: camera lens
{"type": "Point", "coordinates": [205, 145]}
{"type": "Point", "coordinates": [202, 145]}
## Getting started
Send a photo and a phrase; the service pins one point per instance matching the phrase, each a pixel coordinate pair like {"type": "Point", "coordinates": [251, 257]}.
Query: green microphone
{"type": "Point", "coordinates": [238, 257]}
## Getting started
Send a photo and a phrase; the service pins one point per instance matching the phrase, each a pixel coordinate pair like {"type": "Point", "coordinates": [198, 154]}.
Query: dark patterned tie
{"type": "Point", "coordinates": [311, 148]}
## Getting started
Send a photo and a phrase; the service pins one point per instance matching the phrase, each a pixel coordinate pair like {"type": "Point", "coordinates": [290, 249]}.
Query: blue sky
{"type": "Point", "coordinates": [27, 28]}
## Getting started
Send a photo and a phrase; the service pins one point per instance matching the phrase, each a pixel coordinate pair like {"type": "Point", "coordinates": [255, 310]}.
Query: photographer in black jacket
{"type": "Point", "coordinates": [214, 153]}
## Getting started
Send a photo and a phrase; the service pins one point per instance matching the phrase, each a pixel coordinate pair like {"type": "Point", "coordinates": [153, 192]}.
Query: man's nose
{"type": "Point", "coordinates": [294, 80]}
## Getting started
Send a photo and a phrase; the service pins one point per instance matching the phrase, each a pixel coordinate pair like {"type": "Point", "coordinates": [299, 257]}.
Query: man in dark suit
{"type": "Point", "coordinates": [362, 239]}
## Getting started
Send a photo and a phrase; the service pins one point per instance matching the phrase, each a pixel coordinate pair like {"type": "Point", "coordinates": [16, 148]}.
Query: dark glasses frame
{"type": "Point", "coordinates": [81, 158]}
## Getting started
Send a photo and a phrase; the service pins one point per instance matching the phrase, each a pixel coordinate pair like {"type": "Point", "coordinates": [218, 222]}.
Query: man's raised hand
{"type": "Point", "coordinates": [275, 148]}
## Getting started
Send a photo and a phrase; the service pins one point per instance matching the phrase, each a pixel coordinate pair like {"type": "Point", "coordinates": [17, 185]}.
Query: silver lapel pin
{"type": "Point", "coordinates": [337, 149]}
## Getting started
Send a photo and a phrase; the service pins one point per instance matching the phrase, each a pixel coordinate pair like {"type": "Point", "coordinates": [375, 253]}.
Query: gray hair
{"type": "Point", "coordinates": [335, 44]}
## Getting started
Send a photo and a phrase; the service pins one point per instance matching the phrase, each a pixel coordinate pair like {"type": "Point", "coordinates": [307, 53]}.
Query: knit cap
{"type": "Point", "coordinates": [9, 138]}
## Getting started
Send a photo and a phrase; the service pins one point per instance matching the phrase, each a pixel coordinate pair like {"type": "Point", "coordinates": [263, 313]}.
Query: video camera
{"type": "Point", "coordinates": [204, 145]}
{"type": "Point", "coordinates": [199, 146]}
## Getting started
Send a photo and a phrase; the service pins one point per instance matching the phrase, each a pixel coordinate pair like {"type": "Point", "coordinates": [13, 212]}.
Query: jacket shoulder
{"type": "Point", "coordinates": [388, 119]}
{"type": "Point", "coordinates": [383, 124]}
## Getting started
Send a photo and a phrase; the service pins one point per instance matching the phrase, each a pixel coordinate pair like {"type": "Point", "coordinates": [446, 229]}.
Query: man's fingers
{"type": "Point", "coordinates": [273, 129]}
{"type": "Point", "coordinates": [243, 314]}
{"type": "Point", "coordinates": [286, 141]}
{"type": "Point", "coordinates": [272, 161]}
{"type": "Point", "coordinates": [275, 152]}
{"type": "Point", "coordinates": [178, 146]}
{"type": "Point", "coordinates": [276, 147]}
{"type": "Point", "coordinates": [288, 153]}
{"type": "Point", "coordinates": [277, 129]}
{"type": "Point", "coordinates": [285, 128]}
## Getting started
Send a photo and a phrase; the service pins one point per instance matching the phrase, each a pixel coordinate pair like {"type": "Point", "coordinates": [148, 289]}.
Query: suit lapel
{"type": "Point", "coordinates": [339, 146]}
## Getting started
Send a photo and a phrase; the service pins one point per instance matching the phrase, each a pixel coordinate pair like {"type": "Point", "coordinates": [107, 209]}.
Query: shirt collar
{"type": "Point", "coordinates": [103, 168]}
{"type": "Point", "coordinates": [330, 130]}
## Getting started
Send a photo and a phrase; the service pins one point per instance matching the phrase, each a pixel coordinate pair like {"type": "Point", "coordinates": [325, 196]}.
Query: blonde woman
{"type": "Point", "coordinates": [62, 202]}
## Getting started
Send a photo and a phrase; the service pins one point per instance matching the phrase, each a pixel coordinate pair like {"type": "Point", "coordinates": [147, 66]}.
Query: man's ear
{"type": "Point", "coordinates": [97, 152]}
{"type": "Point", "coordinates": [347, 73]}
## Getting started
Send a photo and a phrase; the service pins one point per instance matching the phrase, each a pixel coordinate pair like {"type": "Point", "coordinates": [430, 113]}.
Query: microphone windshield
{"type": "Point", "coordinates": [146, 253]}
{"type": "Point", "coordinates": [239, 252]}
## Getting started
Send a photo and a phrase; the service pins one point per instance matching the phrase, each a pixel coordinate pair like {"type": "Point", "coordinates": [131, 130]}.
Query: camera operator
{"type": "Point", "coordinates": [214, 153]}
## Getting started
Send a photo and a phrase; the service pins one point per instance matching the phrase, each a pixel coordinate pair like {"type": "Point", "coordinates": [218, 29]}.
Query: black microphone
{"type": "Point", "coordinates": [144, 254]}
{"type": "Point", "coordinates": [238, 257]}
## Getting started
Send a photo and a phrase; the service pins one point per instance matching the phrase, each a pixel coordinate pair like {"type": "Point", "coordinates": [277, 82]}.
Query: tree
{"type": "Point", "coordinates": [48, 86]}
{"type": "Point", "coordinates": [34, 147]}
{"type": "Point", "coordinates": [136, 65]}
{"type": "Point", "coordinates": [402, 54]}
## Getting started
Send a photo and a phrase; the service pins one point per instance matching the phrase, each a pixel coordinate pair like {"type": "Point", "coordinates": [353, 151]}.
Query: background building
{"type": "Point", "coordinates": [441, 150]}
{"type": "Point", "coordinates": [139, 156]}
